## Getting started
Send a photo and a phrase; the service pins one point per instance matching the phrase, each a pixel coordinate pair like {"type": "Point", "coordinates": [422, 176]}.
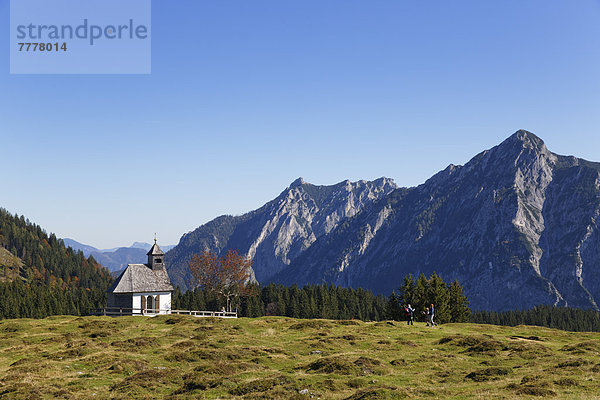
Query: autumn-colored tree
{"type": "Point", "coordinates": [227, 276]}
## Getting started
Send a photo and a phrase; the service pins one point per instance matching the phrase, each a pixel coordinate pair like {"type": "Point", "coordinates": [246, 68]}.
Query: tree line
{"type": "Point", "coordinates": [567, 319]}
{"type": "Point", "coordinates": [23, 300]}
{"type": "Point", "coordinates": [311, 301]}
{"type": "Point", "coordinates": [53, 280]}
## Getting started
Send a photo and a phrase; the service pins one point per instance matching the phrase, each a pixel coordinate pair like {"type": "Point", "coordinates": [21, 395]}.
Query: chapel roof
{"type": "Point", "coordinates": [140, 278]}
{"type": "Point", "coordinates": [155, 250]}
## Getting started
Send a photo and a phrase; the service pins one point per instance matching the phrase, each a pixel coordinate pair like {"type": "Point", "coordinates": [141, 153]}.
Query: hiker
{"type": "Point", "coordinates": [410, 315]}
{"type": "Point", "coordinates": [432, 314]}
{"type": "Point", "coordinates": [427, 314]}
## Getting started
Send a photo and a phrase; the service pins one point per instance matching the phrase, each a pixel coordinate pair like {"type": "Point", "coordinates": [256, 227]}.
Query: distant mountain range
{"type": "Point", "coordinates": [117, 258]}
{"type": "Point", "coordinates": [517, 226]}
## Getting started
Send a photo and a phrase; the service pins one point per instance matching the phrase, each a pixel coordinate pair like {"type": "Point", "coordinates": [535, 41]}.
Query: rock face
{"type": "Point", "coordinates": [517, 226]}
{"type": "Point", "coordinates": [281, 230]}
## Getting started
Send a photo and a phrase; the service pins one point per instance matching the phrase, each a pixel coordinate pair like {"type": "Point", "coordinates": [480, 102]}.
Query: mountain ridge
{"type": "Point", "coordinates": [281, 229]}
{"type": "Point", "coordinates": [516, 225]}
{"type": "Point", "coordinates": [486, 221]}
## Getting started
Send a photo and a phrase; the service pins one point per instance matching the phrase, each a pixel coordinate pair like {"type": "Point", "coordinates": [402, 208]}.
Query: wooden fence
{"type": "Point", "coordinates": [122, 311]}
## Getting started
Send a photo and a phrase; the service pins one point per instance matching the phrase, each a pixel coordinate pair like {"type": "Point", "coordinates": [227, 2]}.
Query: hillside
{"type": "Point", "coordinates": [281, 230]}
{"type": "Point", "coordinates": [516, 226]}
{"type": "Point", "coordinates": [52, 278]}
{"type": "Point", "coordinates": [10, 265]}
{"type": "Point", "coordinates": [282, 358]}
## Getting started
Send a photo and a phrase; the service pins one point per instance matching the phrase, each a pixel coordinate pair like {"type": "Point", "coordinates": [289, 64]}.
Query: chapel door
{"type": "Point", "coordinates": [151, 304]}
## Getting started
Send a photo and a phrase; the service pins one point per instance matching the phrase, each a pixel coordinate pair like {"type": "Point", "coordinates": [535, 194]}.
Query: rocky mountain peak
{"type": "Point", "coordinates": [297, 183]}
{"type": "Point", "coordinates": [523, 139]}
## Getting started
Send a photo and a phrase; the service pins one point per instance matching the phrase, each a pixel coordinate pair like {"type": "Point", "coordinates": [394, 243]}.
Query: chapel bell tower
{"type": "Point", "coordinates": [156, 257]}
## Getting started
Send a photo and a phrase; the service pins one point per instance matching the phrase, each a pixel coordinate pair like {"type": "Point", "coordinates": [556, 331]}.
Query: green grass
{"type": "Point", "coordinates": [179, 357]}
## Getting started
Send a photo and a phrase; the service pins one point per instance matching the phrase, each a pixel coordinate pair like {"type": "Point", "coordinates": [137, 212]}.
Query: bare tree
{"type": "Point", "coordinates": [227, 276]}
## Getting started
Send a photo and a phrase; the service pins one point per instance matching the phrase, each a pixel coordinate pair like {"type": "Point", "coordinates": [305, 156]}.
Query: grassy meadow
{"type": "Point", "coordinates": [181, 357]}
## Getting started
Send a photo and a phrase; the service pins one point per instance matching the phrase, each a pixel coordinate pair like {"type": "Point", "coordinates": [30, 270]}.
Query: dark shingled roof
{"type": "Point", "coordinates": [155, 250]}
{"type": "Point", "coordinates": [139, 278]}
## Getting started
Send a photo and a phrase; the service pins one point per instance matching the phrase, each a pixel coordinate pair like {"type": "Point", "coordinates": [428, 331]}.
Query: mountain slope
{"type": "Point", "coordinates": [10, 265]}
{"type": "Point", "coordinates": [516, 226]}
{"type": "Point", "coordinates": [281, 230]}
{"type": "Point", "coordinates": [46, 277]}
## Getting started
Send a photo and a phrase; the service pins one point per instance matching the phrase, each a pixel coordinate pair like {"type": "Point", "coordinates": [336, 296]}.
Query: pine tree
{"type": "Point", "coordinates": [458, 303]}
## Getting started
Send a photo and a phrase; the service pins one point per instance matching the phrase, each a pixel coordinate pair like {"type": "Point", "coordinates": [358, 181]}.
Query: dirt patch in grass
{"type": "Point", "coordinates": [357, 383]}
{"type": "Point", "coordinates": [177, 320]}
{"type": "Point", "coordinates": [135, 342]}
{"type": "Point", "coordinates": [589, 346]}
{"type": "Point", "coordinates": [330, 385]}
{"type": "Point", "coordinates": [100, 333]}
{"type": "Point", "coordinates": [92, 325]}
{"type": "Point", "coordinates": [207, 328]}
{"type": "Point", "coordinates": [529, 379]}
{"type": "Point", "coordinates": [488, 374]}
{"type": "Point", "coordinates": [342, 366]}
{"type": "Point", "coordinates": [537, 388]}
{"type": "Point", "coordinates": [370, 366]}
{"type": "Point", "coordinates": [75, 349]}
{"type": "Point", "coordinates": [26, 365]}
{"type": "Point", "coordinates": [348, 337]}
{"type": "Point", "coordinates": [191, 356]}
{"type": "Point", "coordinates": [21, 391]}
{"type": "Point", "coordinates": [263, 385]}
{"type": "Point", "coordinates": [126, 366]}
{"type": "Point", "coordinates": [219, 368]}
{"type": "Point", "coordinates": [405, 342]}
{"type": "Point", "coordinates": [334, 365]}
{"type": "Point", "coordinates": [474, 344]}
{"type": "Point", "coordinates": [399, 362]}
{"type": "Point", "coordinates": [376, 394]}
{"type": "Point", "coordinates": [347, 322]}
{"type": "Point", "coordinates": [195, 381]}
{"type": "Point", "coordinates": [186, 344]}
{"type": "Point", "coordinates": [575, 363]}
{"type": "Point", "coordinates": [149, 379]}
{"type": "Point", "coordinates": [528, 350]}
{"type": "Point", "coordinates": [311, 324]}
{"type": "Point", "coordinates": [11, 327]}
{"type": "Point", "coordinates": [532, 338]}
{"type": "Point", "coordinates": [216, 354]}
{"type": "Point", "coordinates": [566, 382]}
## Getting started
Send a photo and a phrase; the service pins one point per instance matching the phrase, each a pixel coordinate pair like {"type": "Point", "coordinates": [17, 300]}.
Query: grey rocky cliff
{"type": "Point", "coordinates": [516, 225]}
{"type": "Point", "coordinates": [274, 235]}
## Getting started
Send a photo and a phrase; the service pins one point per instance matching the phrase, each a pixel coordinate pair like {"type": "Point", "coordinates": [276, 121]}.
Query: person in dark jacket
{"type": "Point", "coordinates": [410, 315]}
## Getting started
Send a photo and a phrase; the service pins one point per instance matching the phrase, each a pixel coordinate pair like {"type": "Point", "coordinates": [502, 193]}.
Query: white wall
{"type": "Point", "coordinates": [165, 301]}
{"type": "Point", "coordinates": [136, 302]}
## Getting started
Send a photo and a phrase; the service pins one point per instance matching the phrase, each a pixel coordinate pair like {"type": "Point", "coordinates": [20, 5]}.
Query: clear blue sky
{"type": "Point", "coordinates": [246, 96]}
